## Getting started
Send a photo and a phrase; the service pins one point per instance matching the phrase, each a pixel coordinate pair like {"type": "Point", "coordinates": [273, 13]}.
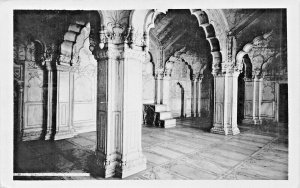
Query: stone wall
{"type": "Point", "coordinates": [148, 81]}
{"type": "Point", "coordinates": [85, 91]}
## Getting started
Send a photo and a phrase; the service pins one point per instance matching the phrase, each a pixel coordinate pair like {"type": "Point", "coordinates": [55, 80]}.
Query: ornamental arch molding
{"type": "Point", "coordinates": [141, 21]}
{"type": "Point", "coordinates": [260, 52]}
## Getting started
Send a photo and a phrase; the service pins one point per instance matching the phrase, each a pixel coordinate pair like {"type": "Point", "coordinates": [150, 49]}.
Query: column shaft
{"type": "Point", "coordinates": [166, 92]}
{"type": "Point", "coordinates": [131, 159]}
{"type": "Point", "coordinates": [198, 107]}
{"type": "Point", "coordinates": [49, 132]}
{"type": "Point", "coordinates": [64, 103]}
{"type": "Point", "coordinates": [225, 108]}
{"type": "Point", "coordinates": [256, 99]}
{"type": "Point", "coordinates": [119, 150]}
{"type": "Point", "coordinates": [248, 101]}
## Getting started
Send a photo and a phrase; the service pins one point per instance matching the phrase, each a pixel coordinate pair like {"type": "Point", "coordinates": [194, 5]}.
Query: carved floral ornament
{"type": "Point", "coordinates": [29, 51]}
{"type": "Point", "coordinates": [262, 51]}
{"type": "Point", "coordinates": [196, 62]}
{"type": "Point", "coordinates": [115, 28]}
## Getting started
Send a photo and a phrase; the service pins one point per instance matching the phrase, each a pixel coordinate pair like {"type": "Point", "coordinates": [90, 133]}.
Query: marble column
{"type": "Point", "coordinates": [256, 99]}
{"type": "Point", "coordinates": [64, 89]}
{"type": "Point", "coordinates": [198, 98]}
{"type": "Point", "coordinates": [248, 101]}
{"type": "Point", "coordinates": [119, 104]}
{"type": "Point", "coordinates": [166, 91]}
{"type": "Point", "coordinates": [193, 96]}
{"type": "Point", "coordinates": [225, 103]}
{"type": "Point", "coordinates": [50, 88]}
{"type": "Point", "coordinates": [107, 114]}
{"type": "Point", "coordinates": [158, 88]}
{"type": "Point", "coordinates": [261, 82]}
{"type": "Point", "coordinates": [131, 159]}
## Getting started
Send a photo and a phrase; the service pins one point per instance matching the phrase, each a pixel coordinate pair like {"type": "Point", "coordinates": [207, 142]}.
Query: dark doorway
{"type": "Point", "coordinates": [283, 103]}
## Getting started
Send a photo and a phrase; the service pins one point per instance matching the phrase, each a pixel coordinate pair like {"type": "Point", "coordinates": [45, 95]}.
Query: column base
{"type": "Point", "coordinates": [106, 165]}
{"type": "Point", "coordinates": [131, 167]}
{"type": "Point", "coordinates": [223, 131]}
{"type": "Point", "coordinates": [63, 135]}
{"type": "Point", "coordinates": [48, 135]}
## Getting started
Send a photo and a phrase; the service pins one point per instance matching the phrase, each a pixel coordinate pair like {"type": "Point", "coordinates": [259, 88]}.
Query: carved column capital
{"type": "Point", "coordinates": [48, 65]}
{"type": "Point", "coordinates": [247, 79]}
{"type": "Point", "coordinates": [194, 78]}
{"type": "Point", "coordinates": [137, 38]}
{"type": "Point", "coordinates": [100, 54]}
{"type": "Point", "coordinates": [256, 75]}
{"type": "Point", "coordinates": [200, 77]}
{"type": "Point", "coordinates": [115, 53]}
{"type": "Point", "coordinates": [159, 75]}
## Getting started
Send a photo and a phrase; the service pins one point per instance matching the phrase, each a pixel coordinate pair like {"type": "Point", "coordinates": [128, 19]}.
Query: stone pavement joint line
{"type": "Point", "coordinates": [183, 152]}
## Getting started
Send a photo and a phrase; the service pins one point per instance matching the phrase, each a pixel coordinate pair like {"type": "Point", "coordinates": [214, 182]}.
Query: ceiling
{"type": "Point", "coordinates": [173, 26]}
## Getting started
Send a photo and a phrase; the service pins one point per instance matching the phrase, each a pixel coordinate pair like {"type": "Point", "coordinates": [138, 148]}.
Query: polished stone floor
{"type": "Point", "coordinates": [186, 152]}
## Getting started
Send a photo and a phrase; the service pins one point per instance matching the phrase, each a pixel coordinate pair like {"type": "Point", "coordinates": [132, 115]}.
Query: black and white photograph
{"type": "Point", "coordinates": [140, 93]}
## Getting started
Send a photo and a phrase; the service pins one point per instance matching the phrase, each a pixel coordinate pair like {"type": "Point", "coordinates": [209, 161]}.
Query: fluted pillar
{"type": "Point", "coordinates": [257, 81]}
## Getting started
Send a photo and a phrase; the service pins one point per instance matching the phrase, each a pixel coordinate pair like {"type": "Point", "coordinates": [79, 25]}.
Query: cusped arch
{"type": "Point", "coordinates": [141, 21]}
{"type": "Point", "coordinates": [258, 61]}
{"type": "Point", "coordinates": [75, 40]}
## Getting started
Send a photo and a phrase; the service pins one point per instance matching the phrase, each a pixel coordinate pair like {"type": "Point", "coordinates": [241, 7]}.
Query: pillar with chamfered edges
{"type": "Point", "coordinates": [166, 91]}
{"type": "Point", "coordinates": [225, 103]}
{"type": "Point", "coordinates": [119, 104]}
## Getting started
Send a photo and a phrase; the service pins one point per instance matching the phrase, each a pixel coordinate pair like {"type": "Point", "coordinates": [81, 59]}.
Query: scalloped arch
{"type": "Point", "coordinates": [143, 20]}
{"type": "Point", "coordinates": [248, 48]}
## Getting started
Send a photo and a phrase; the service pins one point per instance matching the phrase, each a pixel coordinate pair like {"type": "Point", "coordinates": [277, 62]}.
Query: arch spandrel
{"type": "Point", "coordinates": [261, 50]}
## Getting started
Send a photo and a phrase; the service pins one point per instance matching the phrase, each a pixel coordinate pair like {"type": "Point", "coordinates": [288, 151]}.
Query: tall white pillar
{"type": "Point", "coordinates": [131, 159]}
{"type": "Point", "coordinates": [119, 150]}
{"type": "Point", "coordinates": [248, 101]}
{"type": "Point", "coordinates": [194, 96]}
{"type": "Point", "coordinates": [225, 107]}
{"type": "Point", "coordinates": [256, 99]}
{"type": "Point", "coordinates": [166, 91]}
{"type": "Point", "coordinates": [159, 88]}
{"type": "Point", "coordinates": [64, 90]}
{"type": "Point", "coordinates": [198, 93]}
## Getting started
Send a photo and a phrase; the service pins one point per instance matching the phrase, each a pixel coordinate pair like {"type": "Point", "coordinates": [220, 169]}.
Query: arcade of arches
{"type": "Point", "coordinates": [115, 73]}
